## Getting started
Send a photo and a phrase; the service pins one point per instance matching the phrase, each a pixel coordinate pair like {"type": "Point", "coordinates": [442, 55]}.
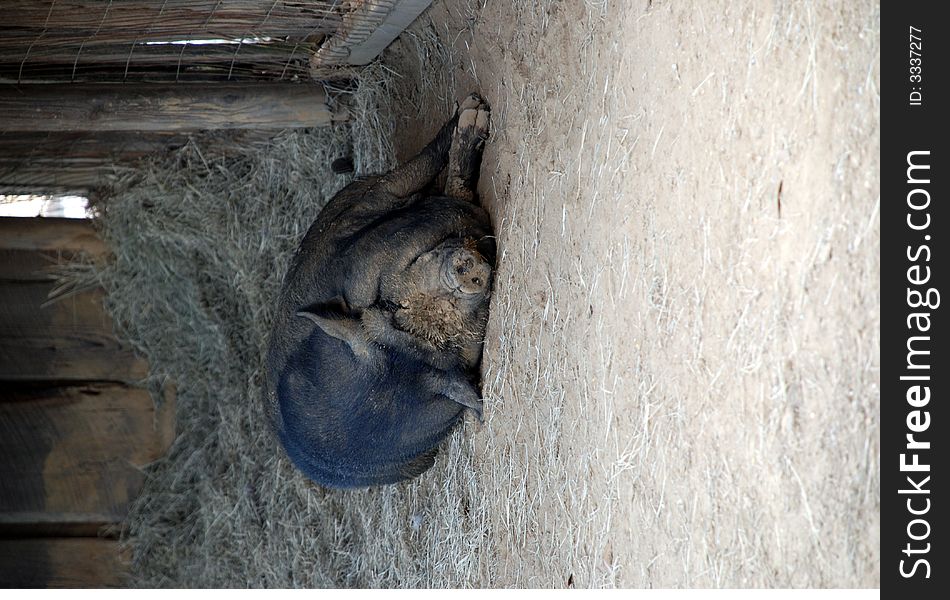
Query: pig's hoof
{"type": "Point", "coordinates": [465, 155]}
{"type": "Point", "coordinates": [474, 119]}
{"type": "Point", "coordinates": [472, 101]}
{"type": "Point", "coordinates": [473, 126]}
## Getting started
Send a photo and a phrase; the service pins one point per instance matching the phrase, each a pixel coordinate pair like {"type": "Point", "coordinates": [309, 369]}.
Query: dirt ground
{"type": "Point", "coordinates": [682, 363]}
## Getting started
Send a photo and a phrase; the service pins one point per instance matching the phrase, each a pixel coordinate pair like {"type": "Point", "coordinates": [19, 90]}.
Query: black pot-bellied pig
{"type": "Point", "coordinates": [376, 342]}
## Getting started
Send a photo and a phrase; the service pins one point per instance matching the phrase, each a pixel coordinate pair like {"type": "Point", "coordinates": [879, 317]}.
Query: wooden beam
{"type": "Point", "coordinates": [102, 54]}
{"type": "Point", "coordinates": [30, 248]}
{"type": "Point", "coordinates": [116, 146]}
{"type": "Point", "coordinates": [162, 107]}
{"type": "Point", "coordinates": [119, 147]}
{"type": "Point", "coordinates": [73, 424]}
{"type": "Point", "coordinates": [58, 528]}
{"type": "Point", "coordinates": [71, 455]}
{"type": "Point", "coordinates": [41, 174]}
{"type": "Point", "coordinates": [351, 45]}
{"type": "Point", "coordinates": [47, 234]}
{"type": "Point", "coordinates": [99, 62]}
{"type": "Point", "coordinates": [63, 563]}
{"type": "Point", "coordinates": [68, 340]}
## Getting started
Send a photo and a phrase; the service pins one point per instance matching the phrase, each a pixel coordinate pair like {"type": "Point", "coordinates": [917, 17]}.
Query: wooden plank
{"type": "Point", "coordinates": [75, 160]}
{"type": "Point", "coordinates": [24, 265]}
{"type": "Point", "coordinates": [47, 234]}
{"type": "Point", "coordinates": [63, 563]}
{"type": "Point", "coordinates": [48, 527]}
{"type": "Point", "coordinates": [71, 456]}
{"type": "Point", "coordinates": [71, 339]}
{"type": "Point", "coordinates": [103, 54]}
{"type": "Point", "coordinates": [162, 107]}
{"type": "Point", "coordinates": [72, 425]}
{"type": "Point", "coordinates": [399, 18]}
{"type": "Point", "coordinates": [56, 173]}
{"type": "Point", "coordinates": [115, 146]}
{"type": "Point", "coordinates": [29, 190]}
{"type": "Point", "coordinates": [31, 247]}
{"type": "Point", "coordinates": [98, 62]}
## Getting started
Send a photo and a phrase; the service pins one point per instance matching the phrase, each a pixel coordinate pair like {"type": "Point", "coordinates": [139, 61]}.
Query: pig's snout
{"type": "Point", "coordinates": [468, 272]}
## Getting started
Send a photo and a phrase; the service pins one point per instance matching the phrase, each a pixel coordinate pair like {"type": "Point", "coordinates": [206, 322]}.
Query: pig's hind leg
{"type": "Point", "coordinates": [423, 168]}
{"type": "Point", "coordinates": [465, 155]}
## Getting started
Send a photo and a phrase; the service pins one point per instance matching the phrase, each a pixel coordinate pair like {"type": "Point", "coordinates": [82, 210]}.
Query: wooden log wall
{"type": "Point", "coordinates": [228, 50]}
{"type": "Point", "coordinates": [72, 139]}
{"type": "Point", "coordinates": [80, 162]}
{"type": "Point", "coordinates": [161, 107]}
{"type": "Point", "coordinates": [75, 428]}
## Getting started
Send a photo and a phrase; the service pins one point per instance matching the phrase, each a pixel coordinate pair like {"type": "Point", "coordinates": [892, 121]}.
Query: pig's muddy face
{"type": "Point", "coordinates": [453, 268]}
{"type": "Point", "coordinates": [465, 273]}
{"type": "Point", "coordinates": [446, 296]}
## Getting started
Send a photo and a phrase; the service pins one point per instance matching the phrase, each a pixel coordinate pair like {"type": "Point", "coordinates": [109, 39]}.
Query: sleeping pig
{"type": "Point", "coordinates": [374, 353]}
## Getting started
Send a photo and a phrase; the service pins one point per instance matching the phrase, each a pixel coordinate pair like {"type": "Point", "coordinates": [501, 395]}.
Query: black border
{"type": "Point", "coordinates": [906, 128]}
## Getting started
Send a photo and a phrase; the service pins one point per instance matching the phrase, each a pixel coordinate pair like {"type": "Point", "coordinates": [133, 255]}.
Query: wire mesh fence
{"type": "Point", "coordinates": [180, 40]}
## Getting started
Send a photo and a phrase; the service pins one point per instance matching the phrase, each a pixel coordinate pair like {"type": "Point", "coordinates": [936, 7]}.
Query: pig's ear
{"type": "Point", "coordinates": [463, 393]}
{"type": "Point", "coordinates": [346, 330]}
